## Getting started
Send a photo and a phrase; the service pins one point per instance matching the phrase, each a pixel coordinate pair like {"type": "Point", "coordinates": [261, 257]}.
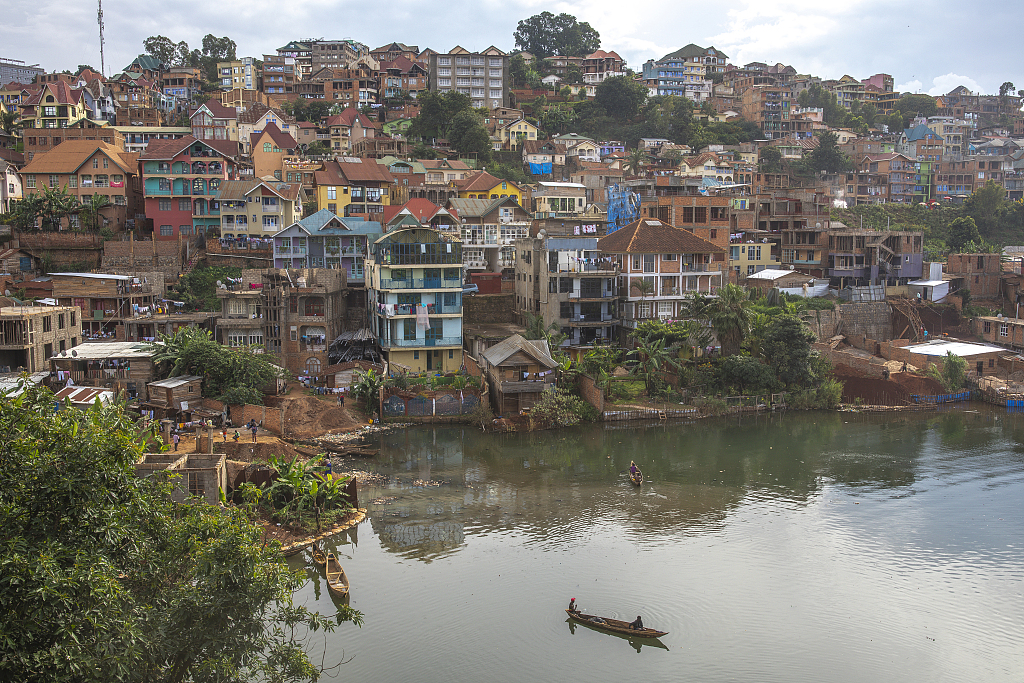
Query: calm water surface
{"type": "Point", "coordinates": [797, 547]}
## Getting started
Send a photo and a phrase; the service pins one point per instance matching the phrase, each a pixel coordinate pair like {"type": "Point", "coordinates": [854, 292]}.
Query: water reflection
{"type": "Point", "coordinates": [636, 643]}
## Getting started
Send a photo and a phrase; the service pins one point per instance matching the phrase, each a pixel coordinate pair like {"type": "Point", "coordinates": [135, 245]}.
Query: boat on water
{"type": "Point", "coordinates": [613, 625]}
{"type": "Point", "coordinates": [337, 580]}
{"type": "Point", "coordinates": [636, 477]}
{"type": "Point", "coordinates": [319, 557]}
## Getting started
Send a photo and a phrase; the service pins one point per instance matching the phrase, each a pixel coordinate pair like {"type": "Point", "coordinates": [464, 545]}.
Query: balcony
{"type": "Point", "coordinates": [581, 295]}
{"type": "Point", "coordinates": [528, 386]}
{"type": "Point", "coordinates": [420, 343]}
{"type": "Point", "coordinates": [274, 208]}
{"type": "Point", "coordinates": [593, 321]}
{"type": "Point", "coordinates": [386, 283]}
{"type": "Point", "coordinates": [289, 251]}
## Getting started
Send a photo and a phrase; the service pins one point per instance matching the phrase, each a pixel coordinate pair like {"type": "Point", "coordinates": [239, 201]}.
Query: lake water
{"type": "Point", "coordinates": [792, 547]}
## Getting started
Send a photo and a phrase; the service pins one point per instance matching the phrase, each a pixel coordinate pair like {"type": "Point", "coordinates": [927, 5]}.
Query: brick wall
{"type": "Point", "coordinates": [871, 319]}
{"type": "Point", "coordinates": [823, 324]}
{"type": "Point", "coordinates": [62, 247]}
{"type": "Point", "coordinates": [590, 392]}
{"type": "Point", "coordinates": [121, 257]}
{"type": "Point", "coordinates": [488, 308]}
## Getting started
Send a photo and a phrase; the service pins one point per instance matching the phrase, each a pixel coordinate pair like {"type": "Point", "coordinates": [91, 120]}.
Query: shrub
{"type": "Point", "coordinates": [559, 408]}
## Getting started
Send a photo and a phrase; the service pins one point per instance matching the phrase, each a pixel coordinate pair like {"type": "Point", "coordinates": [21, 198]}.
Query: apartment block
{"type": "Point", "coordinates": [490, 228]}
{"type": "Point", "coordinates": [257, 208]}
{"type": "Point", "coordinates": [483, 76]}
{"type": "Point", "coordinates": [30, 335]}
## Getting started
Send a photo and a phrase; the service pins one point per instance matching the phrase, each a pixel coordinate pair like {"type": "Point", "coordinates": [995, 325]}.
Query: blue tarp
{"type": "Point", "coordinates": [540, 169]}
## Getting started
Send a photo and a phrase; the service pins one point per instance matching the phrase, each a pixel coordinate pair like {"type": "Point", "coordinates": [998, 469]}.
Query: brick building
{"type": "Point", "coordinates": [29, 335]}
{"type": "Point", "coordinates": [981, 273]}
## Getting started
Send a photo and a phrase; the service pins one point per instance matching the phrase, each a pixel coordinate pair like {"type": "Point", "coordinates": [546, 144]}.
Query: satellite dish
{"type": "Point", "coordinates": [542, 232]}
{"type": "Point", "coordinates": [817, 225]}
{"type": "Point", "coordinates": [218, 283]}
{"type": "Point", "coordinates": [74, 353]}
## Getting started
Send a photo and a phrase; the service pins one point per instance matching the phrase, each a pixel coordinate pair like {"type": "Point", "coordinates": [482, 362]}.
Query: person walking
{"type": "Point", "coordinates": [176, 438]}
{"type": "Point", "coordinates": [253, 428]}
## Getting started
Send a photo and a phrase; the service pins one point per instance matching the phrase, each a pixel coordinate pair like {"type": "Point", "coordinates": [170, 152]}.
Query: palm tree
{"type": "Point", "coordinates": [730, 318]}
{"type": "Point", "coordinates": [535, 329]}
{"type": "Point", "coordinates": [9, 122]}
{"type": "Point", "coordinates": [635, 161]}
{"type": "Point", "coordinates": [644, 287]}
{"type": "Point", "coordinates": [173, 349]}
{"type": "Point", "coordinates": [652, 359]}
{"type": "Point", "coordinates": [367, 386]}
{"type": "Point", "coordinates": [90, 211]}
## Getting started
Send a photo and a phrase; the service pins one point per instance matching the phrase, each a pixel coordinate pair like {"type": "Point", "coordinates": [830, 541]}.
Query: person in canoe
{"type": "Point", "coordinates": [633, 469]}
{"type": "Point", "coordinates": [572, 605]}
{"type": "Point", "coordinates": [637, 625]}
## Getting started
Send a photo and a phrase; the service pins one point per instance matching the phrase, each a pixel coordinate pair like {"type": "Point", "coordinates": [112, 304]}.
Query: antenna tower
{"type": "Point", "coordinates": [99, 20]}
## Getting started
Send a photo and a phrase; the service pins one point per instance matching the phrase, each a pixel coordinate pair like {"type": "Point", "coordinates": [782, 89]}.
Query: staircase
{"type": "Point", "coordinates": [192, 262]}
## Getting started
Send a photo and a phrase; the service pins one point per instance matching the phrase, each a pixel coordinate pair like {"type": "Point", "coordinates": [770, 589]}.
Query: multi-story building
{"type": "Point", "coordinates": [17, 71]}
{"type": "Point", "coordinates": [853, 256]}
{"type": "Point", "coordinates": [353, 188]}
{"type": "Point", "coordinates": [11, 189]}
{"type": "Point", "coordinates": [402, 75]}
{"type": "Point", "coordinates": [672, 264]}
{"type": "Point", "coordinates": [182, 178]}
{"type": "Point", "coordinates": [116, 307]}
{"type": "Point", "coordinates": [957, 179]}
{"type": "Point", "coordinates": [257, 117]}
{"type": "Point", "coordinates": [240, 73]}
{"type": "Point", "coordinates": [293, 314]}
{"type": "Point", "coordinates": [86, 168]}
{"type": "Point", "coordinates": [213, 121]}
{"type": "Point", "coordinates": [30, 335]}
{"type": "Point", "coordinates": [335, 54]}
{"type": "Point", "coordinates": [355, 86]}
{"type": "Point", "coordinates": [981, 273]}
{"type": "Point", "coordinates": [279, 74]}
{"type": "Point", "coordinates": [300, 54]}
{"type": "Point", "coordinates": [751, 253]}
{"type": "Point", "coordinates": [54, 105]}
{"type": "Point", "coordinates": [483, 76]}
{"type": "Point", "coordinates": [324, 240]}
{"type": "Point", "coordinates": [847, 90]}
{"type": "Point", "coordinates": [347, 128]}
{"type": "Point", "coordinates": [257, 208]}
{"type": "Point", "coordinates": [768, 106]}
{"type": "Point", "coordinates": [269, 147]}
{"type": "Point", "coordinates": [559, 200]}
{"type": "Point", "coordinates": [685, 72]}
{"type": "Point", "coordinates": [952, 132]}
{"type": "Point", "coordinates": [568, 281]}
{"type": "Point", "coordinates": [393, 51]}
{"type": "Point", "coordinates": [182, 83]}
{"type": "Point", "coordinates": [882, 178]}
{"type": "Point", "coordinates": [515, 133]}
{"type": "Point", "coordinates": [600, 65]}
{"type": "Point", "coordinates": [414, 299]}
{"type": "Point", "coordinates": [137, 138]}
{"type": "Point", "coordinates": [490, 228]}
{"type": "Point", "coordinates": [40, 141]}
{"type": "Point", "coordinates": [483, 185]}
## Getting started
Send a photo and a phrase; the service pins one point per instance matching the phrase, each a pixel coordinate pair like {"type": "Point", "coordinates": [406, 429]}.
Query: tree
{"type": "Point", "coordinates": [1005, 90]}
{"type": "Point", "coordinates": [652, 359]}
{"type": "Point", "coordinates": [90, 212]}
{"type": "Point", "coordinates": [986, 206]}
{"type": "Point", "coordinates": [10, 122]}
{"type": "Point", "coordinates": [827, 156]}
{"type": "Point", "coordinates": [769, 159]}
{"type": "Point", "coordinates": [730, 318]}
{"type": "Point", "coordinates": [635, 161]}
{"type": "Point", "coordinates": [621, 97]}
{"type": "Point", "coordinates": [367, 387]}
{"type": "Point", "coordinates": [161, 47]}
{"type": "Point", "coordinates": [83, 67]}
{"type": "Point", "coordinates": [895, 122]}
{"type": "Point", "coordinates": [916, 105]}
{"type": "Point", "coordinates": [745, 373]}
{"type": "Point", "coordinates": [868, 112]}
{"type": "Point", "coordinates": [786, 348]}
{"type": "Point", "coordinates": [962, 232]}
{"type": "Point", "coordinates": [120, 581]}
{"type": "Point", "coordinates": [437, 113]}
{"type": "Point", "coordinates": [545, 34]}
{"type": "Point", "coordinates": [643, 287]}
{"type": "Point", "coordinates": [57, 204]}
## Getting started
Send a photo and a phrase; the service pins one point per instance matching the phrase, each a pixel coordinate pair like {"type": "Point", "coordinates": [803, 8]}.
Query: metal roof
{"type": "Point", "coordinates": [939, 347]}
{"type": "Point", "coordinates": [101, 350]}
{"type": "Point", "coordinates": [172, 382]}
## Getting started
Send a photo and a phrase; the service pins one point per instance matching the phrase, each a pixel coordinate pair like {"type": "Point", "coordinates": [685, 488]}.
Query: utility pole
{"type": "Point", "coordinates": [99, 20]}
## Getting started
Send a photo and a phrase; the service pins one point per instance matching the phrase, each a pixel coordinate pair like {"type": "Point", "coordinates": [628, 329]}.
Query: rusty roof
{"type": "Point", "coordinates": [68, 157]}
{"type": "Point", "coordinates": [651, 236]}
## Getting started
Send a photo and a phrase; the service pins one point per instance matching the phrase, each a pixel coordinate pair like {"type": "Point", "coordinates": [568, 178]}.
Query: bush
{"type": "Point", "coordinates": [559, 408]}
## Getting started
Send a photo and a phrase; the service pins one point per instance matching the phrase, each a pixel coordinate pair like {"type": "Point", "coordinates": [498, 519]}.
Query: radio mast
{"type": "Point", "coordinates": [99, 20]}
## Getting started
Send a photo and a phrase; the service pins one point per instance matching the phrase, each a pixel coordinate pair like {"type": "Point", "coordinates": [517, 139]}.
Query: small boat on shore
{"type": "Point", "coordinates": [319, 558]}
{"type": "Point", "coordinates": [337, 580]}
{"type": "Point", "coordinates": [613, 625]}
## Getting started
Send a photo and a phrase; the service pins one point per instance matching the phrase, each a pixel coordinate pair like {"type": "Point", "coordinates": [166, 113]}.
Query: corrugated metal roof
{"type": "Point", "coordinates": [172, 382]}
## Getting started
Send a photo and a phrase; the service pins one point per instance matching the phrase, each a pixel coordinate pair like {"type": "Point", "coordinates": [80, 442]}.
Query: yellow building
{"type": "Point", "coordinates": [354, 188]}
{"type": "Point", "coordinates": [750, 256]}
{"type": "Point", "coordinates": [485, 186]}
{"type": "Point", "coordinates": [515, 133]}
{"type": "Point", "coordinates": [269, 149]}
{"type": "Point", "coordinates": [55, 105]}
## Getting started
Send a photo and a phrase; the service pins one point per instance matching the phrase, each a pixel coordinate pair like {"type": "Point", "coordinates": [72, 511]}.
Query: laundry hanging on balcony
{"type": "Point", "coordinates": [422, 321]}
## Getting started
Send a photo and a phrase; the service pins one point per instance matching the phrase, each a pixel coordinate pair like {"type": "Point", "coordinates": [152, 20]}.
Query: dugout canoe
{"type": "Point", "coordinates": [614, 625]}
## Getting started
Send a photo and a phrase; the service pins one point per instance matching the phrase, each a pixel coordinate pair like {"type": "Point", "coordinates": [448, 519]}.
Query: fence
{"type": "Point", "coordinates": [461, 402]}
{"type": "Point", "coordinates": [959, 397]}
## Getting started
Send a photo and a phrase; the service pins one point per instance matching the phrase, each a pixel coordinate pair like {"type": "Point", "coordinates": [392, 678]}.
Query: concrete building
{"type": "Point", "coordinates": [568, 281]}
{"type": "Point", "coordinates": [490, 228]}
{"type": "Point", "coordinates": [981, 273]}
{"type": "Point", "coordinates": [483, 76]}
{"type": "Point", "coordinates": [414, 299]}
{"type": "Point", "coordinates": [115, 307]}
{"type": "Point", "coordinates": [30, 335]}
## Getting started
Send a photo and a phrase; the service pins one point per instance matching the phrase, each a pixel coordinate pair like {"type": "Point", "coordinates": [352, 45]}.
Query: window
{"type": "Point", "coordinates": [30, 181]}
{"type": "Point", "coordinates": [165, 204]}
{"type": "Point", "coordinates": [294, 333]}
{"type": "Point", "coordinates": [1004, 330]}
{"type": "Point", "coordinates": [95, 163]}
{"type": "Point", "coordinates": [60, 321]}
{"type": "Point", "coordinates": [267, 147]}
{"type": "Point", "coordinates": [668, 257]}
{"type": "Point", "coordinates": [988, 327]}
{"type": "Point", "coordinates": [565, 309]}
{"type": "Point", "coordinates": [54, 181]}
{"type": "Point", "coordinates": [166, 230]}
{"type": "Point", "coordinates": [409, 330]}
{"type": "Point", "coordinates": [648, 263]}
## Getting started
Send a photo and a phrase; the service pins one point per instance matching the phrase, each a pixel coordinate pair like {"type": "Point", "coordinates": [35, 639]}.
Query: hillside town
{"type": "Point", "coordinates": [340, 208]}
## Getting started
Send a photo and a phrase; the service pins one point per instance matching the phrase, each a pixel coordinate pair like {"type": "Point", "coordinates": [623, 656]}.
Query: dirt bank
{"type": "Point", "coordinates": [895, 391]}
{"type": "Point", "coordinates": [308, 416]}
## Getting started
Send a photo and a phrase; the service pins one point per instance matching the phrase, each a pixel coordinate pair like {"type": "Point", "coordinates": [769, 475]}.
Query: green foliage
{"type": "Point", "coordinates": [545, 34]}
{"type": "Point", "coordinates": [535, 329]}
{"type": "Point", "coordinates": [653, 359]}
{"type": "Point", "coordinates": [914, 105]}
{"type": "Point", "coordinates": [367, 387]}
{"type": "Point", "coordinates": [787, 350]}
{"type": "Point", "coordinates": [729, 317]}
{"type": "Point", "coordinates": [559, 408]}
{"type": "Point", "coordinates": [827, 156]}
{"type": "Point", "coordinates": [770, 159]}
{"type": "Point", "coordinates": [962, 232]}
{"type": "Point", "coordinates": [113, 581]}
{"type": "Point", "coordinates": [437, 113]}
{"type": "Point", "coordinates": [953, 375]}
{"type": "Point", "coordinates": [232, 375]}
{"type": "Point", "coordinates": [744, 374]}
{"type": "Point", "coordinates": [621, 97]}
{"type": "Point", "coordinates": [198, 289]}
{"type": "Point", "coordinates": [523, 75]}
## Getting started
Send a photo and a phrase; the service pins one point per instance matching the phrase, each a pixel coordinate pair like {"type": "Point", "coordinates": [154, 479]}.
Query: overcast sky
{"type": "Point", "coordinates": [930, 46]}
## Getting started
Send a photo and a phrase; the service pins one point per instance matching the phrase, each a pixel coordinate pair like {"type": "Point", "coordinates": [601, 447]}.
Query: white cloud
{"type": "Point", "coordinates": [909, 86]}
{"type": "Point", "coordinates": [943, 84]}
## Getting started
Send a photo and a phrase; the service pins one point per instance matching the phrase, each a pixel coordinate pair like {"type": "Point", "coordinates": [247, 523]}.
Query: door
{"type": "Point", "coordinates": [430, 359]}
{"type": "Point", "coordinates": [981, 368]}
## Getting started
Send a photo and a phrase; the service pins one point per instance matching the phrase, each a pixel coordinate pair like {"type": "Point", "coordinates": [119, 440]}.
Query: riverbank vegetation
{"type": "Point", "coordinates": [301, 498]}
{"type": "Point", "coordinates": [113, 580]}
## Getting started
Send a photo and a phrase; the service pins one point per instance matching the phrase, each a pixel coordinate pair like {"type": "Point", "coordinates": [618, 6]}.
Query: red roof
{"type": "Point", "coordinates": [348, 117]}
{"type": "Point", "coordinates": [651, 236]}
{"type": "Point", "coordinates": [479, 181]}
{"type": "Point", "coordinates": [61, 91]}
{"type": "Point", "coordinates": [168, 149]}
{"type": "Point", "coordinates": [281, 139]}
{"type": "Point", "coordinates": [601, 54]}
{"type": "Point", "coordinates": [422, 209]}
{"type": "Point", "coordinates": [219, 111]}
{"type": "Point", "coordinates": [346, 173]}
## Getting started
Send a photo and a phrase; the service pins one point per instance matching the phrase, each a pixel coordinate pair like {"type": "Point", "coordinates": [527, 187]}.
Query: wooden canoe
{"type": "Point", "coordinates": [319, 558]}
{"type": "Point", "coordinates": [614, 625]}
{"type": "Point", "coordinates": [637, 478]}
{"type": "Point", "coordinates": [337, 580]}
